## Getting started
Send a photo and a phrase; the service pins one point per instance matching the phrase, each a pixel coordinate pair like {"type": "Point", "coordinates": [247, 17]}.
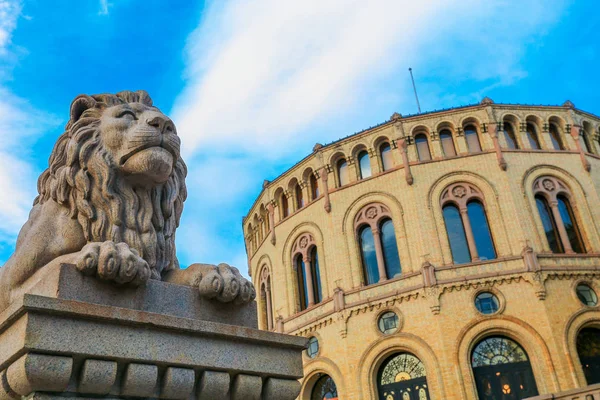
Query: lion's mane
{"type": "Point", "coordinates": [83, 178]}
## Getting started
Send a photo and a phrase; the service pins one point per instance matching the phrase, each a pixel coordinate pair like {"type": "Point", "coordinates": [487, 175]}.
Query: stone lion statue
{"type": "Point", "coordinates": [110, 202]}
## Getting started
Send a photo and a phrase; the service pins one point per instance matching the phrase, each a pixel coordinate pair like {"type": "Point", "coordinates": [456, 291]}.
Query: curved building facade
{"type": "Point", "coordinates": [446, 255]}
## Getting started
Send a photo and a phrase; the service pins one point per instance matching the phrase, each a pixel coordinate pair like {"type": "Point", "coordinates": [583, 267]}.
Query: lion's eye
{"type": "Point", "coordinates": [127, 114]}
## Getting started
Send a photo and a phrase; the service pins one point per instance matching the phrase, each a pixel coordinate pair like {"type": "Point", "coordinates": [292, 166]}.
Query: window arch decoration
{"type": "Point", "coordinates": [467, 227]}
{"type": "Point", "coordinates": [374, 223]}
{"type": "Point", "coordinates": [305, 262]}
{"type": "Point", "coordinates": [554, 206]}
{"type": "Point", "coordinates": [403, 376]}
{"type": "Point", "coordinates": [266, 297]}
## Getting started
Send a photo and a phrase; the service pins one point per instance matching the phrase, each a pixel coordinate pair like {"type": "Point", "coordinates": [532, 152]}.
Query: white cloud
{"type": "Point", "coordinates": [9, 13]}
{"type": "Point", "coordinates": [104, 4]}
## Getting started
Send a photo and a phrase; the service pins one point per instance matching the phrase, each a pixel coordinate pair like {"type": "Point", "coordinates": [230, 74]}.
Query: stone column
{"type": "Point", "coordinates": [271, 210]}
{"type": "Point", "coordinates": [379, 254]}
{"type": "Point", "coordinates": [324, 179]}
{"type": "Point", "coordinates": [309, 280]}
{"type": "Point", "coordinates": [575, 132]}
{"type": "Point", "coordinates": [493, 130]}
{"type": "Point", "coordinates": [562, 231]}
{"type": "Point", "coordinates": [469, 233]}
{"type": "Point", "coordinates": [269, 309]}
{"type": "Point", "coordinates": [402, 146]}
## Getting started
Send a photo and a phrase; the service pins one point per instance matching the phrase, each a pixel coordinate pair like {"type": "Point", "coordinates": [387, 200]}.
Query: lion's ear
{"type": "Point", "coordinates": [144, 98]}
{"type": "Point", "coordinates": [79, 105]}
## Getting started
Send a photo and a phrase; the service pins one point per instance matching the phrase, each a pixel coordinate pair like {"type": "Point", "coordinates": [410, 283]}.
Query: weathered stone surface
{"type": "Point", "coordinates": [178, 383]}
{"type": "Point", "coordinates": [282, 389]}
{"type": "Point", "coordinates": [246, 387]}
{"type": "Point", "coordinates": [140, 380]}
{"type": "Point", "coordinates": [213, 385]}
{"type": "Point", "coordinates": [34, 372]}
{"type": "Point", "coordinates": [97, 376]}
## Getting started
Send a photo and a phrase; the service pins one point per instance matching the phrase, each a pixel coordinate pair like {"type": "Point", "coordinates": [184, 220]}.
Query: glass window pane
{"type": "Point", "coordinates": [364, 163]}
{"type": "Point", "coordinates": [390, 249]}
{"type": "Point", "coordinates": [472, 139]}
{"type": "Point", "coordinates": [532, 137]}
{"type": "Point", "coordinates": [549, 225]}
{"type": "Point", "coordinates": [324, 389]}
{"type": "Point", "coordinates": [447, 143]}
{"type": "Point", "coordinates": [313, 347]}
{"type": "Point", "coordinates": [422, 147]}
{"type": "Point", "coordinates": [316, 273]}
{"type": "Point", "coordinates": [386, 156]}
{"type": "Point", "coordinates": [509, 136]}
{"type": "Point", "coordinates": [481, 231]}
{"type": "Point", "coordinates": [285, 206]}
{"type": "Point", "coordinates": [369, 256]}
{"type": "Point", "coordinates": [299, 197]}
{"type": "Point", "coordinates": [388, 322]}
{"type": "Point", "coordinates": [302, 287]}
{"type": "Point", "coordinates": [314, 187]}
{"type": "Point", "coordinates": [456, 235]}
{"type": "Point", "coordinates": [487, 303]}
{"type": "Point", "coordinates": [555, 138]}
{"type": "Point", "coordinates": [587, 296]}
{"type": "Point", "coordinates": [566, 213]}
{"type": "Point", "coordinates": [588, 350]}
{"type": "Point", "coordinates": [343, 178]}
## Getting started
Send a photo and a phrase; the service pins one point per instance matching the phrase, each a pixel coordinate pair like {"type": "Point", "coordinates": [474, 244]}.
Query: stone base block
{"type": "Point", "coordinates": [54, 346]}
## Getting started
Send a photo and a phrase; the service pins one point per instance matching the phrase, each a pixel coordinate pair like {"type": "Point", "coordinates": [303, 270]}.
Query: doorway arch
{"type": "Point", "coordinates": [402, 376]}
{"type": "Point", "coordinates": [588, 350]}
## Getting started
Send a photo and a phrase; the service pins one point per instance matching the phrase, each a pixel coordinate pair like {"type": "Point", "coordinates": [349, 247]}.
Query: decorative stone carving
{"type": "Point", "coordinates": [110, 202]}
{"type": "Point", "coordinates": [371, 214]}
{"type": "Point", "coordinates": [487, 101]}
{"type": "Point", "coordinates": [548, 185]}
{"type": "Point", "coordinates": [303, 244]}
{"type": "Point", "coordinates": [460, 193]}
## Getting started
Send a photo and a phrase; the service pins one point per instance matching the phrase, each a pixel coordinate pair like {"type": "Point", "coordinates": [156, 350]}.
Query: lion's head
{"type": "Point", "coordinates": [118, 170]}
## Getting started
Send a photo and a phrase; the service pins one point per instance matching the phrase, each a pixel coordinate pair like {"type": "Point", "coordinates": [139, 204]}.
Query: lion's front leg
{"type": "Point", "coordinates": [110, 261]}
{"type": "Point", "coordinates": [221, 282]}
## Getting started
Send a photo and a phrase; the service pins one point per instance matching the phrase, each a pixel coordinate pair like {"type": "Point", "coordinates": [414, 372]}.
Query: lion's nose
{"type": "Point", "coordinates": [160, 122]}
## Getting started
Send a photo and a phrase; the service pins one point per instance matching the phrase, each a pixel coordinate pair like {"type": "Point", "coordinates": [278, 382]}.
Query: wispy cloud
{"type": "Point", "coordinates": [104, 4]}
{"type": "Point", "coordinates": [267, 78]}
{"type": "Point", "coordinates": [9, 13]}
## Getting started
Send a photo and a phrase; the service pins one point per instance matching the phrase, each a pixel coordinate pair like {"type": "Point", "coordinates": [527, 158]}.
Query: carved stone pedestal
{"type": "Point", "coordinates": [74, 336]}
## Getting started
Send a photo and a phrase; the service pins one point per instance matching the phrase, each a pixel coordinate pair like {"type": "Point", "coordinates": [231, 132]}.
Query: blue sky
{"type": "Point", "coordinates": [253, 85]}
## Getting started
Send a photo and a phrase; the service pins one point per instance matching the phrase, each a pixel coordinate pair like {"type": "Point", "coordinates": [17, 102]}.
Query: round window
{"type": "Point", "coordinates": [313, 347]}
{"type": "Point", "coordinates": [388, 322]}
{"type": "Point", "coordinates": [487, 303]}
{"type": "Point", "coordinates": [587, 295]}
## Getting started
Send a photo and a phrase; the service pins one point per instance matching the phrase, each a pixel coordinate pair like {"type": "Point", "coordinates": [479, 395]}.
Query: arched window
{"type": "Point", "coordinates": [266, 299]}
{"type": "Point", "coordinates": [402, 376]}
{"type": "Point", "coordinates": [502, 369]}
{"type": "Point", "coordinates": [472, 139]}
{"type": "Point", "coordinates": [285, 206]}
{"type": "Point", "coordinates": [422, 147]}
{"type": "Point", "coordinates": [447, 143]}
{"type": "Point", "coordinates": [387, 162]}
{"type": "Point", "coordinates": [532, 137]}
{"type": "Point", "coordinates": [555, 138]}
{"type": "Point", "coordinates": [586, 144]}
{"type": "Point", "coordinates": [306, 262]}
{"type": "Point", "coordinates": [588, 350]}
{"type": "Point", "coordinates": [467, 226]}
{"type": "Point", "coordinates": [509, 136]}
{"type": "Point", "coordinates": [299, 196]}
{"type": "Point", "coordinates": [364, 163]}
{"type": "Point", "coordinates": [342, 172]}
{"type": "Point", "coordinates": [377, 242]}
{"type": "Point", "coordinates": [302, 284]}
{"type": "Point", "coordinates": [557, 216]}
{"type": "Point", "coordinates": [369, 256]}
{"type": "Point", "coordinates": [393, 268]}
{"type": "Point", "coordinates": [314, 187]}
{"type": "Point", "coordinates": [324, 389]}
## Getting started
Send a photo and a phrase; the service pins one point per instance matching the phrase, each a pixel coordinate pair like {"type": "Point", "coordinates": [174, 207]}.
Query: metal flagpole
{"type": "Point", "coordinates": [415, 89]}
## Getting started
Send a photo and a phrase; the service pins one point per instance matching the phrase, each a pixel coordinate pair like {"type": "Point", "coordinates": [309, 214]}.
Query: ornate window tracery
{"type": "Point", "coordinates": [324, 389]}
{"type": "Point", "coordinates": [403, 376]}
{"type": "Point", "coordinates": [466, 223]}
{"type": "Point", "coordinates": [558, 219]}
{"type": "Point", "coordinates": [308, 275]}
{"type": "Point", "coordinates": [377, 241]}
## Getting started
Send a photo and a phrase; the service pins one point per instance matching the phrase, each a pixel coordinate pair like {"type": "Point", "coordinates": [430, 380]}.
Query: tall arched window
{"type": "Point", "coordinates": [502, 370]}
{"type": "Point", "coordinates": [555, 137]}
{"type": "Point", "coordinates": [532, 137]}
{"type": "Point", "coordinates": [467, 226]}
{"type": "Point", "coordinates": [402, 376]}
{"type": "Point", "coordinates": [306, 263]}
{"type": "Point", "coordinates": [299, 196]}
{"type": "Point", "coordinates": [266, 299]}
{"type": "Point", "coordinates": [509, 136]}
{"type": "Point", "coordinates": [342, 172]}
{"type": "Point", "coordinates": [588, 350]}
{"type": "Point", "coordinates": [314, 187]}
{"type": "Point", "coordinates": [385, 150]}
{"type": "Point", "coordinates": [364, 164]}
{"type": "Point", "coordinates": [422, 147]}
{"type": "Point", "coordinates": [324, 389]}
{"type": "Point", "coordinates": [447, 143]}
{"type": "Point", "coordinates": [586, 144]}
{"type": "Point", "coordinates": [472, 139]}
{"type": "Point", "coordinates": [556, 213]}
{"type": "Point", "coordinates": [377, 242]}
{"type": "Point", "coordinates": [285, 206]}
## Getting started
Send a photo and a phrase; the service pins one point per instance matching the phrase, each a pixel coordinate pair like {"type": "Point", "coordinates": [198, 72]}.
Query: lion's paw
{"type": "Point", "coordinates": [114, 262]}
{"type": "Point", "coordinates": [226, 284]}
